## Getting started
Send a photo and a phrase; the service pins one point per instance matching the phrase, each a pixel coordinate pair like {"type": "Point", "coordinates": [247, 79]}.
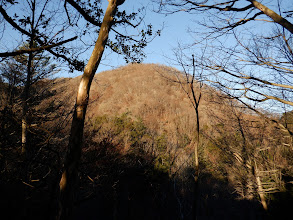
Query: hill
{"type": "Point", "coordinates": [145, 91]}
{"type": "Point", "coordinates": [137, 159]}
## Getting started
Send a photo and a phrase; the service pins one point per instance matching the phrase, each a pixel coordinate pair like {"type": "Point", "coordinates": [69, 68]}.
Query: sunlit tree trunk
{"type": "Point", "coordinates": [26, 96]}
{"type": "Point", "coordinates": [69, 177]}
{"type": "Point", "coordinates": [26, 92]}
{"type": "Point", "coordinates": [260, 190]}
{"type": "Point", "coordinates": [196, 147]}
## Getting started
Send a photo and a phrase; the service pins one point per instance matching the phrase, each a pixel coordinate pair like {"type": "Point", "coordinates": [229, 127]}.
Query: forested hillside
{"type": "Point", "coordinates": [209, 139]}
{"type": "Point", "coordinates": [138, 151]}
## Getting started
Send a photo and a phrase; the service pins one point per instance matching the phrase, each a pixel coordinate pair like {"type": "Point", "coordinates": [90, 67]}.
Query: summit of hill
{"type": "Point", "coordinates": [146, 91]}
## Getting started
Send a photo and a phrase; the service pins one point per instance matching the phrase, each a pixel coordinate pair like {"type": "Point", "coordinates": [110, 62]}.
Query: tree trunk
{"type": "Point", "coordinates": [196, 101]}
{"type": "Point", "coordinates": [26, 95]}
{"type": "Point", "coordinates": [273, 15]}
{"type": "Point", "coordinates": [197, 143]}
{"type": "Point", "coordinates": [260, 190]}
{"type": "Point", "coordinates": [25, 99]}
{"type": "Point", "coordinates": [12, 90]}
{"type": "Point", "coordinates": [196, 167]}
{"type": "Point", "coordinates": [69, 177]}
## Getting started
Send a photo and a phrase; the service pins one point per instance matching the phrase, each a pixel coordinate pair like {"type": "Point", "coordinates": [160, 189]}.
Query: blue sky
{"type": "Point", "coordinates": [157, 51]}
{"type": "Point", "coordinates": [160, 49]}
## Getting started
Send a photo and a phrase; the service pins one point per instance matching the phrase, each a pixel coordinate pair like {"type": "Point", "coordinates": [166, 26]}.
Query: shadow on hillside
{"type": "Point", "coordinates": [123, 186]}
{"type": "Point", "coordinates": [217, 201]}
{"type": "Point", "coordinates": [127, 186]}
{"type": "Point", "coordinates": [27, 182]}
{"type": "Point", "coordinates": [119, 185]}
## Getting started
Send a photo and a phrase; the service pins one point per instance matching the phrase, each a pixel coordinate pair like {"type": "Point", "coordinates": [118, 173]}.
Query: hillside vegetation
{"type": "Point", "coordinates": [137, 159]}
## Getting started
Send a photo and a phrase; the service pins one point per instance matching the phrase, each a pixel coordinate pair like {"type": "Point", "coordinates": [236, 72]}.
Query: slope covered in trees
{"type": "Point", "coordinates": [137, 156]}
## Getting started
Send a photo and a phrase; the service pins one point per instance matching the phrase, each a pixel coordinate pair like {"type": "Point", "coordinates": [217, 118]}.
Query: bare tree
{"type": "Point", "coordinates": [249, 58]}
{"type": "Point", "coordinates": [250, 46]}
{"type": "Point", "coordinates": [190, 81]}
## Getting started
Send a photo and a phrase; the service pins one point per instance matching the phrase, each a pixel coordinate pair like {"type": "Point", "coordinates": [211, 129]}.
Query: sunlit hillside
{"type": "Point", "coordinates": [145, 91]}
{"type": "Point", "coordinates": [138, 149]}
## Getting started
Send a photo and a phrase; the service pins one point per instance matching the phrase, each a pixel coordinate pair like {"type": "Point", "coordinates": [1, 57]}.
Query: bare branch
{"type": "Point", "coordinates": [273, 15]}
{"type": "Point", "coordinates": [10, 21]}
{"type": "Point", "coordinates": [85, 15]}
{"type": "Point", "coordinates": [18, 52]}
{"type": "Point", "coordinates": [216, 6]}
{"type": "Point", "coordinates": [244, 76]}
{"type": "Point", "coordinates": [76, 64]}
{"type": "Point", "coordinates": [269, 97]}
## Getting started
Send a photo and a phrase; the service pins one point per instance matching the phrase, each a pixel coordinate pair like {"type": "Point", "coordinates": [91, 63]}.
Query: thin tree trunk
{"type": "Point", "coordinates": [196, 166]}
{"type": "Point", "coordinates": [197, 143]}
{"type": "Point", "coordinates": [69, 177]}
{"type": "Point", "coordinates": [24, 125]}
{"type": "Point", "coordinates": [244, 155]}
{"type": "Point", "coordinates": [26, 95]}
{"type": "Point", "coordinates": [12, 90]}
{"type": "Point", "coordinates": [260, 190]}
{"type": "Point", "coordinates": [196, 101]}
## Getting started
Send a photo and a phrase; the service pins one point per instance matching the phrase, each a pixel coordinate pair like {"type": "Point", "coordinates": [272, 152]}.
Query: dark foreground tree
{"type": "Point", "coordinates": [37, 27]}
{"type": "Point", "coordinates": [21, 73]}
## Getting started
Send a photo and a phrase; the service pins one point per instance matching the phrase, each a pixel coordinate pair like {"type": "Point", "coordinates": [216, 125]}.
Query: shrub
{"type": "Point", "coordinates": [161, 142]}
